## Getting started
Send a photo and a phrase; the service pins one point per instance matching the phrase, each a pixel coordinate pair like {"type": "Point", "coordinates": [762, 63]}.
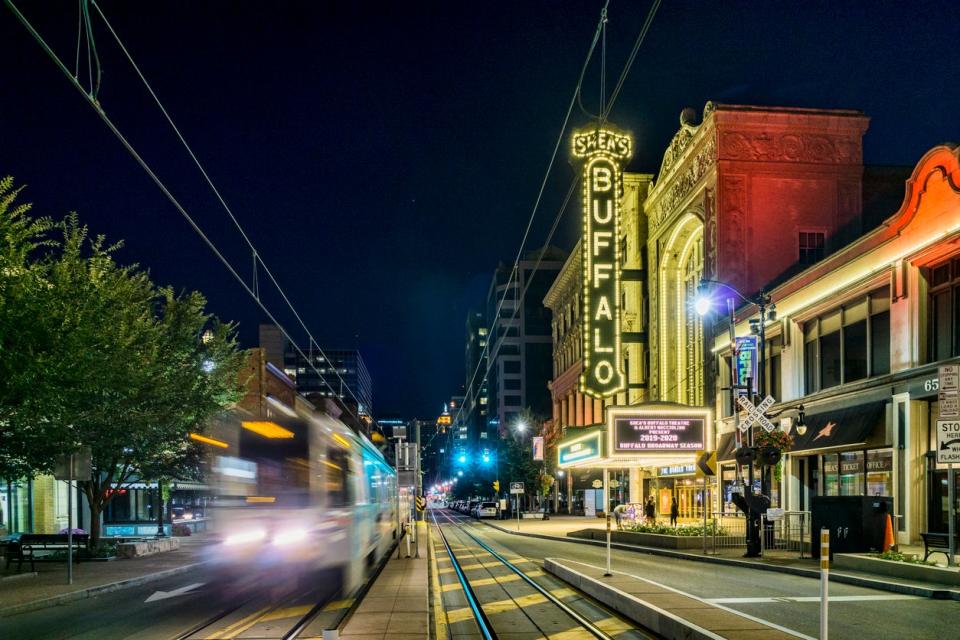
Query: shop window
{"type": "Point", "coordinates": [773, 379]}
{"type": "Point", "coordinates": [851, 473]}
{"type": "Point", "coordinates": [880, 472]}
{"type": "Point", "coordinates": [831, 474]}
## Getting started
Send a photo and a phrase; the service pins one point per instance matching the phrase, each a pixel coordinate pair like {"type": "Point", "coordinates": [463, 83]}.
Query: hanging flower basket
{"type": "Point", "coordinates": [776, 439]}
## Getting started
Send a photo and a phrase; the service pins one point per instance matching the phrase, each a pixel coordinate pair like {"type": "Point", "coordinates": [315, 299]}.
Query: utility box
{"type": "Point", "coordinates": [856, 523]}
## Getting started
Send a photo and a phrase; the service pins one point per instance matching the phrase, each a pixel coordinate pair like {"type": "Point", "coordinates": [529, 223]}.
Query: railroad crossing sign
{"type": "Point", "coordinates": [421, 503]}
{"type": "Point", "coordinates": [516, 488]}
{"type": "Point", "coordinates": [706, 463]}
{"type": "Point", "coordinates": [755, 413]}
{"type": "Point", "coordinates": [948, 441]}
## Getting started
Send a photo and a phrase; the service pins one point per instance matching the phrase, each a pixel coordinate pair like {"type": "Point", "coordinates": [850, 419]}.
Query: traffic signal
{"type": "Point", "coordinates": [496, 486]}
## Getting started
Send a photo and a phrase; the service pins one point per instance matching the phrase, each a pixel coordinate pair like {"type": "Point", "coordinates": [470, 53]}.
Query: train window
{"type": "Point", "coordinates": [338, 471]}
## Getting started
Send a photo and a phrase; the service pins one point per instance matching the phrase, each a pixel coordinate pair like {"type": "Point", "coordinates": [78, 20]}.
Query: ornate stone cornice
{"type": "Point", "coordinates": [763, 145]}
{"type": "Point", "coordinates": [690, 156]}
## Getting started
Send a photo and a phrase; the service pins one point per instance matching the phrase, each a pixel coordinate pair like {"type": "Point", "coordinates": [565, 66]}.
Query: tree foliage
{"type": "Point", "coordinates": [97, 355]}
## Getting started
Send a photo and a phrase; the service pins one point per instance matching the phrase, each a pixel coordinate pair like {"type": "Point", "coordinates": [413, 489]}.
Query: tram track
{"type": "Point", "coordinates": [550, 610]}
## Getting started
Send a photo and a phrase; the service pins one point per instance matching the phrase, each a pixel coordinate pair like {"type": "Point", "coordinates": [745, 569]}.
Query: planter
{"type": "Point", "coordinates": [147, 547]}
{"type": "Point", "coordinates": [905, 570]}
{"type": "Point", "coordinates": [641, 539]}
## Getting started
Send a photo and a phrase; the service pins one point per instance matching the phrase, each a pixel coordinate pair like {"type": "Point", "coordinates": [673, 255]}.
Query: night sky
{"type": "Point", "coordinates": [385, 156]}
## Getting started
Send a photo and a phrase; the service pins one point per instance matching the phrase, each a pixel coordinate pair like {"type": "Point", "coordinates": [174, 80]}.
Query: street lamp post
{"type": "Point", "coordinates": [766, 311]}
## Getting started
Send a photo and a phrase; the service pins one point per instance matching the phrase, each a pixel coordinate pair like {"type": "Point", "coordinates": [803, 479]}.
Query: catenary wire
{"type": "Point", "coordinates": [163, 188]}
{"type": "Point", "coordinates": [312, 342]}
{"type": "Point", "coordinates": [605, 114]}
{"type": "Point", "coordinates": [543, 185]}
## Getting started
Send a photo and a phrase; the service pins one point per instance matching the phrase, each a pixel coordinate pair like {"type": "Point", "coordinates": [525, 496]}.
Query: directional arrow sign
{"type": "Point", "coordinates": [948, 441]}
{"type": "Point", "coordinates": [163, 595]}
{"type": "Point", "coordinates": [706, 463]}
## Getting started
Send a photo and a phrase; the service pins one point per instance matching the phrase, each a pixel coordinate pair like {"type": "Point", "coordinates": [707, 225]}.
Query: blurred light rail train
{"type": "Point", "coordinates": [298, 494]}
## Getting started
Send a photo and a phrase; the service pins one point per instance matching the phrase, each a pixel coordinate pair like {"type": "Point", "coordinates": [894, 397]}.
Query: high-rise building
{"type": "Point", "coordinates": [476, 398]}
{"type": "Point", "coordinates": [340, 374]}
{"type": "Point", "coordinates": [520, 338]}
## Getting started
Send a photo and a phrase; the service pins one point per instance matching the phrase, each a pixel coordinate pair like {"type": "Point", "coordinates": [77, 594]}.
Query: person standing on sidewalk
{"type": "Point", "coordinates": [649, 510]}
{"type": "Point", "coordinates": [618, 514]}
{"type": "Point", "coordinates": [674, 512]}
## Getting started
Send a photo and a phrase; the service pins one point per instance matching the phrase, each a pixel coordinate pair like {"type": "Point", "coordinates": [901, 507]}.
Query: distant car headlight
{"type": "Point", "coordinates": [289, 536]}
{"type": "Point", "coordinates": [188, 516]}
{"type": "Point", "coordinates": [245, 537]}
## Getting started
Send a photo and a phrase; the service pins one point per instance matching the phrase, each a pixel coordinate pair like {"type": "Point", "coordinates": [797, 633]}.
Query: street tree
{"type": "Point", "coordinates": [99, 356]}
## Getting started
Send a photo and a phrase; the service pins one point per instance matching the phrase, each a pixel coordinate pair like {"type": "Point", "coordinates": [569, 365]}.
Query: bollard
{"type": "Point", "coordinates": [608, 573]}
{"type": "Point", "coordinates": [824, 581]}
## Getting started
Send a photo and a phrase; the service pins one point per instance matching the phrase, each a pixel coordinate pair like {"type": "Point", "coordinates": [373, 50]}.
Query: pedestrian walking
{"type": "Point", "coordinates": [674, 512]}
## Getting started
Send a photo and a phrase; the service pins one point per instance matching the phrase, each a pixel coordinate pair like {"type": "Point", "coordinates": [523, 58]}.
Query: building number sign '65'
{"type": "Point", "coordinates": [602, 152]}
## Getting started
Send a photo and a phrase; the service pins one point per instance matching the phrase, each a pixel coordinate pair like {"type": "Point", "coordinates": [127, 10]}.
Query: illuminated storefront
{"type": "Point", "coordinates": [858, 342]}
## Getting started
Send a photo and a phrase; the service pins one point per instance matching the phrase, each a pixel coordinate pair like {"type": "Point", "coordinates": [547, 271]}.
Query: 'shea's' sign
{"type": "Point", "coordinates": [603, 151]}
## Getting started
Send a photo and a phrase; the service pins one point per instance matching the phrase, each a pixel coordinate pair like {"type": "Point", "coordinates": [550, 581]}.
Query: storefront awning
{"type": "Point", "coordinates": [839, 427]}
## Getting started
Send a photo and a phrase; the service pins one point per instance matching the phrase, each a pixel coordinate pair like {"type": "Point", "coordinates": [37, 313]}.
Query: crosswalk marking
{"type": "Point", "coordinates": [788, 599]}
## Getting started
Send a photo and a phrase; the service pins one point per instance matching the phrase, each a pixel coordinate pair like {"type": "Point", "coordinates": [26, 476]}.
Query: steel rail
{"type": "Point", "coordinates": [586, 624]}
{"type": "Point", "coordinates": [482, 621]}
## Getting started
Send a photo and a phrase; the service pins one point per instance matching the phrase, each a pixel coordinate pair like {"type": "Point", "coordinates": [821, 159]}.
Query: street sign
{"type": "Point", "coordinates": [755, 414]}
{"type": "Point", "coordinates": [74, 466]}
{"type": "Point", "coordinates": [948, 441]}
{"type": "Point", "coordinates": [774, 514]}
{"type": "Point", "coordinates": [516, 488]}
{"type": "Point", "coordinates": [706, 463]}
{"type": "Point", "coordinates": [421, 503]}
{"type": "Point", "coordinates": [949, 390]}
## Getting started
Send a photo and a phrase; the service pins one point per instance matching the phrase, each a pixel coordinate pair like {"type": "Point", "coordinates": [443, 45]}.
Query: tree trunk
{"type": "Point", "coordinates": [95, 528]}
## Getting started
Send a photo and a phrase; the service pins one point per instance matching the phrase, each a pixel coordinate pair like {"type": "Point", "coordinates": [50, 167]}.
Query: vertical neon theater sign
{"type": "Point", "coordinates": [603, 152]}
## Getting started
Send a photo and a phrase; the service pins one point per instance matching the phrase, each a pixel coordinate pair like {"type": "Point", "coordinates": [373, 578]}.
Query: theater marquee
{"type": "Point", "coordinates": [603, 152]}
{"type": "Point", "coordinates": [658, 430]}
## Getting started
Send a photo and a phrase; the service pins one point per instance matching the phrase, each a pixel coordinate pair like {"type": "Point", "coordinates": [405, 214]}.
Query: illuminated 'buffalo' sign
{"type": "Point", "coordinates": [602, 151]}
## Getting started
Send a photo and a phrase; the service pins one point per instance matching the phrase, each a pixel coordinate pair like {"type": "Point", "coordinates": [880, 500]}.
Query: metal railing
{"type": "Point", "coordinates": [729, 531]}
{"type": "Point", "coordinates": [789, 533]}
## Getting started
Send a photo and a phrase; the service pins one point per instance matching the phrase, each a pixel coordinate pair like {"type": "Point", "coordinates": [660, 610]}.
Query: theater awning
{"type": "Point", "coordinates": [839, 427]}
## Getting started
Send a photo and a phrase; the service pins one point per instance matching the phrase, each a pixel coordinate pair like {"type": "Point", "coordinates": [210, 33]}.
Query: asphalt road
{"type": "Point", "coordinates": [261, 605]}
{"type": "Point", "coordinates": [786, 600]}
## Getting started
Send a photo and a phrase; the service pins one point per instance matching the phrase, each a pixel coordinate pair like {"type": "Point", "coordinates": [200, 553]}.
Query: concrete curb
{"type": "Point", "coordinates": [90, 592]}
{"type": "Point", "coordinates": [879, 583]}
{"type": "Point", "coordinates": [660, 621]}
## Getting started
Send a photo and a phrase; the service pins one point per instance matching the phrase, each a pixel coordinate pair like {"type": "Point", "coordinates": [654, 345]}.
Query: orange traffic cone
{"type": "Point", "coordinates": [888, 539]}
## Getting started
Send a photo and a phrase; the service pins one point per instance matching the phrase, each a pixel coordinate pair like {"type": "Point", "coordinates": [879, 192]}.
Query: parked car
{"type": "Point", "coordinates": [485, 510]}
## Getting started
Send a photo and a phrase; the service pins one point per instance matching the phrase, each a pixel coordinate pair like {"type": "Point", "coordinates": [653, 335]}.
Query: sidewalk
{"type": "Point", "coordinates": [396, 606]}
{"type": "Point", "coordinates": [559, 528]}
{"type": "Point", "coordinates": [27, 591]}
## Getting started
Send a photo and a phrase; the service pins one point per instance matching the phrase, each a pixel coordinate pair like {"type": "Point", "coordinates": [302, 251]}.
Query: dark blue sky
{"type": "Point", "coordinates": [384, 157]}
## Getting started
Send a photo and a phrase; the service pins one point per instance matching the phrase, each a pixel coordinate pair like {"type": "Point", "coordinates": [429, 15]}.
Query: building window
{"type": "Point", "coordinates": [772, 377]}
{"type": "Point", "coordinates": [512, 401]}
{"type": "Point", "coordinates": [811, 247]}
{"type": "Point", "coordinates": [511, 366]}
{"type": "Point", "coordinates": [848, 344]}
{"type": "Point", "coordinates": [511, 384]}
{"type": "Point", "coordinates": [944, 310]}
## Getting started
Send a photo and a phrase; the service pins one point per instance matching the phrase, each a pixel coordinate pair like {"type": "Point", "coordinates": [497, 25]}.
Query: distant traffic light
{"type": "Point", "coordinates": [496, 486]}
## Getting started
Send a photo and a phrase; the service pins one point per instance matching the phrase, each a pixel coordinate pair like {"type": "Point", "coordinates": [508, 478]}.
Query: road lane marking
{"type": "Point", "coordinates": [792, 632]}
{"type": "Point", "coordinates": [788, 599]}
{"type": "Point", "coordinates": [231, 630]}
{"type": "Point", "coordinates": [163, 595]}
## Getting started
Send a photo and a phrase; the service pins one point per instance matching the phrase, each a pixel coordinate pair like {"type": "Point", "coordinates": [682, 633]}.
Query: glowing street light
{"type": "Point", "coordinates": [459, 474]}
{"type": "Point", "coordinates": [521, 426]}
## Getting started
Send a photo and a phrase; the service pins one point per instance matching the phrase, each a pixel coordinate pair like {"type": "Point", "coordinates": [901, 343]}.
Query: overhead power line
{"type": "Point", "coordinates": [257, 259]}
{"type": "Point", "coordinates": [169, 195]}
{"type": "Point", "coordinates": [605, 113]}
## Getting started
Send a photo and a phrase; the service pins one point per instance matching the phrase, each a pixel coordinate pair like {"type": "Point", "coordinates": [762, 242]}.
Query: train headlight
{"type": "Point", "coordinates": [245, 537]}
{"type": "Point", "coordinates": [290, 536]}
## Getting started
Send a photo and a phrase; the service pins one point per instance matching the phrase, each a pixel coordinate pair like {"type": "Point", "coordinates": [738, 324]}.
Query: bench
{"type": "Point", "coordinates": [26, 545]}
{"type": "Point", "coordinates": [937, 543]}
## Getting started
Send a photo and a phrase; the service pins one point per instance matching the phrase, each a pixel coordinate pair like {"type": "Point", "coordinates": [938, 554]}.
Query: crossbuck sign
{"type": "Point", "coordinates": [755, 413]}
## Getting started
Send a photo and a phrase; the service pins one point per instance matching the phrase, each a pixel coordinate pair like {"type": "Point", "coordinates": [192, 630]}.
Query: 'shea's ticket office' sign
{"type": "Point", "coordinates": [603, 152]}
